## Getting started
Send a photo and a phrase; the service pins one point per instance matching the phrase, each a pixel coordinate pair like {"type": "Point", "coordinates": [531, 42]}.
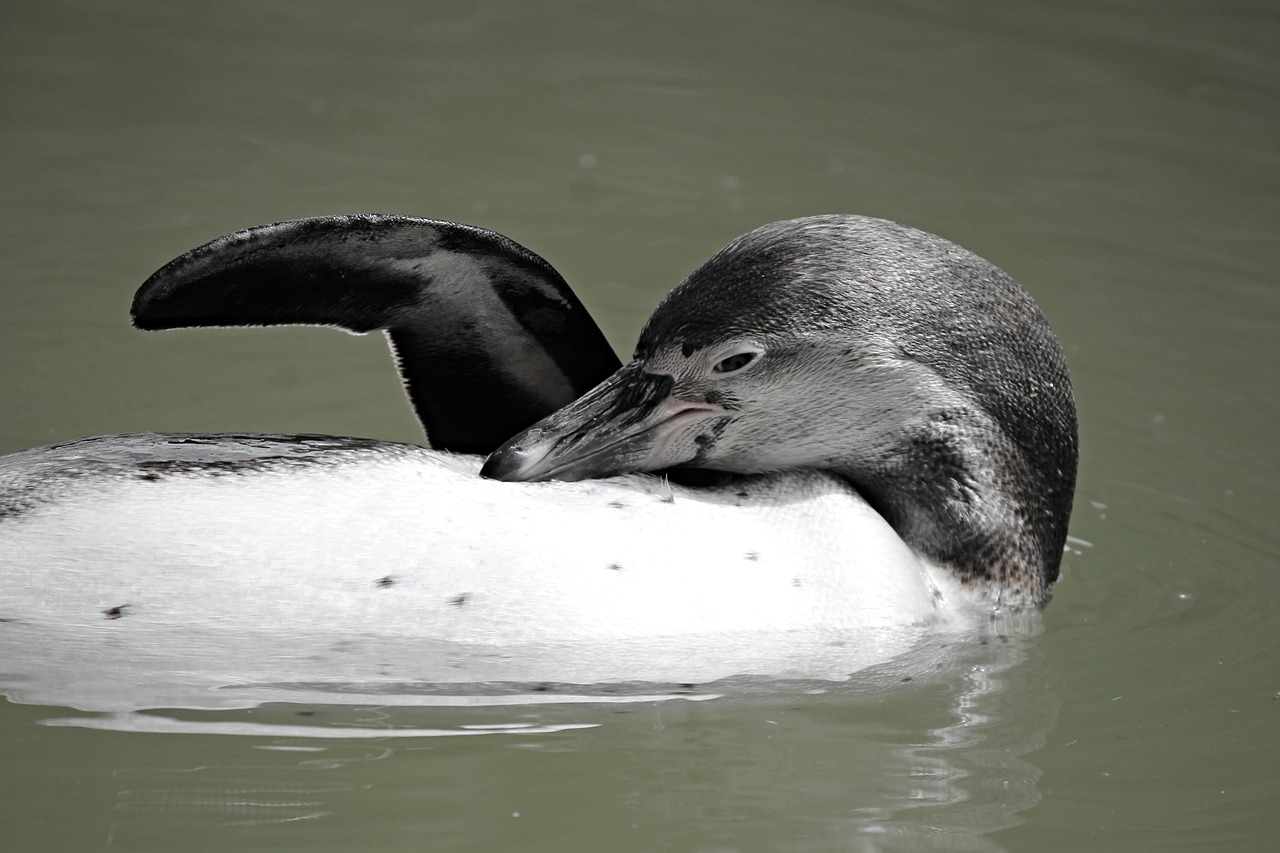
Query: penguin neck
{"type": "Point", "coordinates": [963, 508]}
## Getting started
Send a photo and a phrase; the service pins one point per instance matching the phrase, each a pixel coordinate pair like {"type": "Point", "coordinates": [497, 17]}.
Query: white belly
{"type": "Point", "coordinates": [454, 578]}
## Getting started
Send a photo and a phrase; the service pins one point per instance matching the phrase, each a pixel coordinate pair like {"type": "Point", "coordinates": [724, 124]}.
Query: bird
{"type": "Point", "coordinates": [837, 427]}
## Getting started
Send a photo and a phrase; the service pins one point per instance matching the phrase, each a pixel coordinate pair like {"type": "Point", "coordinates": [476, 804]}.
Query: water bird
{"type": "Point", "coordinates": [836, 425]}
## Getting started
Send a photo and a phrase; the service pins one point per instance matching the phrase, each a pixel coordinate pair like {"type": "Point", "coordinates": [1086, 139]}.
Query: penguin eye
{"type": "Point", "coordinates": [735, 362]}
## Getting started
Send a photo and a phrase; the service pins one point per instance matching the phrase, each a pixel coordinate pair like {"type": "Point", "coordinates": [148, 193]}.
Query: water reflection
{"type": "Point", "coordinates": [928, 752]}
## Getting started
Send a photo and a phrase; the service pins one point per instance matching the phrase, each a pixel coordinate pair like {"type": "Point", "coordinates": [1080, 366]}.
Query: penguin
{"type": "Point", "coordinates": [836, 424]}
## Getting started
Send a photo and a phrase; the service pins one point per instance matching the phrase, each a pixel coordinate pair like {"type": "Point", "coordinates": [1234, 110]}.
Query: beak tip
{"type": "Point", "coordinates": [607, 431]}
{"type": "Point", "coordinates": [500, 466]}
{"type": "Point", "coordinates": [516, 462]}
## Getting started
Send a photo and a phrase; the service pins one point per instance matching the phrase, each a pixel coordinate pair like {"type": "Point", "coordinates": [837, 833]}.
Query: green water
{"type": "Point", "coordinates": [1121, 159]}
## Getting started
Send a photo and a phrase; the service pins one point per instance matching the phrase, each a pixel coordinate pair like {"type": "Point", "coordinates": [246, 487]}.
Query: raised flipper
{"type": "Point", "coordinates": [488, 337]}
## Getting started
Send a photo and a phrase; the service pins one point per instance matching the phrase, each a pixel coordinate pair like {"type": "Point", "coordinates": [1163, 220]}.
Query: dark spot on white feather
{"type": "Point", "coordinates": [460, 599]}
{"type": "Point", "coordinates": [797, 582]}
{"type": "Point", "coordinates": [385, 581]}
{"type": "Point", "coordinates": [753, 556]}
{"type": "Point", "coordinates": [149, 477]}
{"type": "Point", "coordinates": [617, 504]}
{"type": "Point", "coordinates": [116, 612]}
{"type": "Point", "coordinates": [615, 567]}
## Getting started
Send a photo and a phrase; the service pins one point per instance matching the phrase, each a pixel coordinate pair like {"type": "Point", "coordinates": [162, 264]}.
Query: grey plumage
{"type": "Point", "coordinates": [920, 372]}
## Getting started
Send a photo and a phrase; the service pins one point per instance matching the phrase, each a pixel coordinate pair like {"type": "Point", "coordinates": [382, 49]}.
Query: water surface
{"type": "Point", "coordinates": [1118, 158]}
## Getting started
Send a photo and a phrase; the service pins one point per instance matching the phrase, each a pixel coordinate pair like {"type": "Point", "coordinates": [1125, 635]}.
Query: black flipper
{"type": "Point", "coordinates": [489, 338]}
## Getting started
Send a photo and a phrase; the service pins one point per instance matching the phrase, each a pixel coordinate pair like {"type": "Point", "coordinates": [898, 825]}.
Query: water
{"type": "Point", "coordinates": [1120, 159]}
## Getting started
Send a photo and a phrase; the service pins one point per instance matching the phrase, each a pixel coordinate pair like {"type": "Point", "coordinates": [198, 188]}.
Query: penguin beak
{"type": "Point", "coordinates": [630, 422]}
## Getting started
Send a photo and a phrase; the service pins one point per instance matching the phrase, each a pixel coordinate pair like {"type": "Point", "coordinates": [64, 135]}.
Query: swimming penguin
{"type": "Point", "coordinates": [888, 418]}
